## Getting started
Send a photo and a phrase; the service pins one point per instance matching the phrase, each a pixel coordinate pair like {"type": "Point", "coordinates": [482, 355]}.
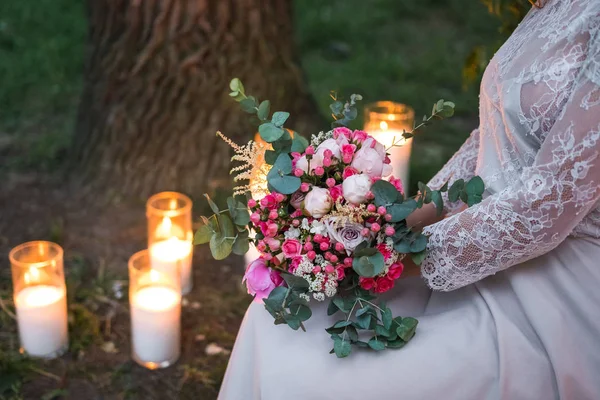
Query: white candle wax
{"type": "Point", "coordinates": [167, 254]}
{"type": "Point", "coordinates": [399, 155]}
{"type": "Point", "coordinates": [252, 253]}
{"type": "Point", "coordinates": [42, 319]}
{"type": "Point", "coordinates": [155, 325]}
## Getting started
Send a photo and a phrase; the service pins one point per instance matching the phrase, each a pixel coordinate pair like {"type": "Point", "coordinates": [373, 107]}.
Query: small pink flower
{"type": "Point", "coordinates": [269, 230]}
{"type": "Point", "coordinates": [268, 201]}
{"type": "Point", "coordinates": [384, 284]}
{"type": "Point", "coordinates": [291, 248]}
{"type": "Point", "coordinates": [279, 197]}
{"type": "Point", "coordinates": [273, 214]}
{"type": "Point", "coordinates": [255, 217]}
{"type": "Point", "coordinates": [370, 195]}
{"type": "Point", "coordinates": [375, 227]}
{"type": "Point", "coordinates": [311, 255]}
{"type": "Point", "coordinates": [333, 258]}
{"type": "Point", "coordinates": [389, 231]}
{"type": "Point", "coordinates": [327, 153]}
{"type": "Point", "coordinates": [397, 184]}
{"type": "Point", "coordinates": [326, 162]}
{"type": "Point", "coordinates": [388, 217]}
{"type": "Point", "coordinates": [308, 246]}
{"type": "Point", "coordinates": [329, 269]}
{"type": "Point", "coordinates": [336, 192]}
{"type": "Point", "coordinates": [273, 244]}
{"type": "Point", "coordinates": [330, 182]}
{"type": "Point", "coordinates": [260, 280]}
{"type": "Point", "coordinates": [251, 203]}
{"type": "Point", "coordinates": [309, 151]}
{"type": "Point", "coordinates": [298, 172]}
{"type": "Point", "coordinates": [261, 246]}
{"type": "Point", "coordinates": [342, 131]}
{"type": "Point", "coordinates": [339, 247]}
{"type": "Point", "coordinates": [323, 246]}
{"type": "Point", "coordinates": [381, 210]}
{"type": "Point", "coordinates": [318, 238]}
{"type": "Point", "coordinates": [395, 270]}
{"type": "Point", "coordinates": [365, 232]}
{"type": "Point", "coordinates": [295, 223]}
{"type": "Point", "coordinates": [359, 136]}
{"type": "Point", "coordinates": [371, 208]}
{"type": "Point", "coordinates": [348, 261]}
{"type": "Point", "coordinates": [341, 273]}
{"type": "Point", "coordinates": [366, 283]}
{"type": "Point", "coordinates": [349, 171]}
{"type": "Point", "coordinates": [304, 187]}
{"type": "Point", "coordinates": [316, 269]}
{"type": "Point", "coordinates": [319, 171]}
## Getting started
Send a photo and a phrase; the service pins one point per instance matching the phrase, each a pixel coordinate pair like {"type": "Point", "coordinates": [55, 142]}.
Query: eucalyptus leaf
{"type": "Point", "coordinates": [400, 211]}
{"type": "Point", "coordinates": [236, 85]}
{"type": "Point", "coordinates": [263, 110]}
{"type": "Point", "coordinates": [418, 257]}
{"type": "Point", "coordinates": [212, 204]}
{"type": "Point", "coordinates": [385, 193]}
{"type": "Point", "coordinates": [406, 329]}
{"type": "Point", "coordinates": [299, 143]}
{"type": "Point", "coordinates": [241, 245]}
{"type": "Point", "coordinates": [269, 132]}
{"type": "Point", "coordinates": [296, 282]}
{"type": "Point", "coordinates": [436, 198]}
{"type": "Point", "coordinates": [342, 348]}
{"type": "Point", "coordinates": [206, 231]}
{"type": "Point", "coordinates": [376, 344]}
{"type": "Point", "coordinates": [279, 118]}
{"type": "Point", "coordinates": [248, 105]}
{"type": "Point", "coordinates": [368, 266]}
{"type": "Point", "coordinates": [419, 243]}
{"type": "Point", "coordinates": [300, 311]}
{"type": "Point", "coordinates": [238, 211]}
{"type": "Point", "coordinates": [455, 189]}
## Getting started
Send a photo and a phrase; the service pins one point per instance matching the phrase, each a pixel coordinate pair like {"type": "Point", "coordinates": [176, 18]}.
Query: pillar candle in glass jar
{"type": "Point", "coordinates": [170, 234]}
{"type": "Point", "coordinates": [40, 298]}
{"type": "Point", "coordinates": [385, 121]}
{"type": "Point", "coordinates": [155, 304]}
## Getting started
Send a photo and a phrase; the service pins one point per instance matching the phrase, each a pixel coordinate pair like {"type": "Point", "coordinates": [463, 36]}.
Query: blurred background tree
{"type": "Point", "coordinates": [143, 114]}
{"type": "Point", "coordinates": [155, 89]}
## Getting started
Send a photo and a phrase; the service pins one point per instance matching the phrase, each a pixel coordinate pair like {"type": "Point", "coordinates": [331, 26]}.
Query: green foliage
{"type": "Point", "coordinates": [361, 314]}
{"type": "Point", "coordinates": [280, 178]}
{"type": "Point", "coordinates": [285, 304]}
{"type": "Point", "coordinates": [368, 262]}
{"type": "Point", "coordinates": [225, 231]}
{"type": "Point", "coordinates": [343, 113]}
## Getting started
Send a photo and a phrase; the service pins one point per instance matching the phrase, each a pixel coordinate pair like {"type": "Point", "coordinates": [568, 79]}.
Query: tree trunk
{"type": "Point", "coordinates": [156, 90]}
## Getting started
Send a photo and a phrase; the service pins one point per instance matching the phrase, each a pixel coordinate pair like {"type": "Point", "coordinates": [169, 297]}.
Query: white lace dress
{"type": "Point", "coordinates": [515, 308]}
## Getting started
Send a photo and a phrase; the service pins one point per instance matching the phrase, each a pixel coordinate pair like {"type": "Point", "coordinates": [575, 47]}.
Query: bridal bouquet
{"type": "Point", "coordinates": [328, 221]}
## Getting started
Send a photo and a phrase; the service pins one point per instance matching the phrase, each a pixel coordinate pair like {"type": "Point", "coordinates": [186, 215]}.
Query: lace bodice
{"type": "Point", "coordinates": [537, 150]}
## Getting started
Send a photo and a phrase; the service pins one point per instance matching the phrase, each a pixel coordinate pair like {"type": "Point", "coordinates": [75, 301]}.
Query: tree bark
{"type": "Point", "coordinates": [156, 90]}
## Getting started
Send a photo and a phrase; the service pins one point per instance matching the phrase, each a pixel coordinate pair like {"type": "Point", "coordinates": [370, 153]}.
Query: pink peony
{"type": "Point", "coordinates": [356, 187]}
{"type": "Point", "coordinates": [370, 159]}
{"type": "Point", "coordinates": [318, 202]}
{"type": "Point", "coordinates": [291, 248]}
{"type": "Point", "coordinates": [260, 279]}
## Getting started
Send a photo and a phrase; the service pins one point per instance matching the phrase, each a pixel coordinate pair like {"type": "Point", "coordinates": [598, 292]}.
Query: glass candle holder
{"type": "Point", "coordinates": [170, 235]}
{"type": "Point", "coordinates": [40, 298]}
{"type": "Point", "coordinates": [385, 121]}
{"type": "Point", "coordinates": [155, 304]}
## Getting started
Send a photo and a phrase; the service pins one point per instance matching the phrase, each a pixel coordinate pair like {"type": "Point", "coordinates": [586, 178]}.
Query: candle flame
{"type": "Point", "coordinates": [164, 229]}
{"type": "Point", "coordinates": [32, 275]}
{"type": "Point", "coordinates": [41, 249]}
{"type": "Point", "coordinates": [383, 125]}
{"type": "Point", "coordinates": [173, 204]}
{"type": "Point", "coordinates": [154, 275]}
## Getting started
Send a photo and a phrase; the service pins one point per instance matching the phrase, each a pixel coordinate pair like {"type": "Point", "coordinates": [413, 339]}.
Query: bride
{"type": "Point", "coordinates": [509, 307]}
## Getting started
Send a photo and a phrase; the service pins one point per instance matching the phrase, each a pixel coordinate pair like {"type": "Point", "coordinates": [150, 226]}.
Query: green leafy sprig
{"type": "Point", "coordinates": [343, 113]}
{"type": "Point", "coordinates": [226, 231]}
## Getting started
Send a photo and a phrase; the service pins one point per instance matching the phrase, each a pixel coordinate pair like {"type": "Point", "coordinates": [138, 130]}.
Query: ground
{"type": "Point", "coordinates": [412, 52]}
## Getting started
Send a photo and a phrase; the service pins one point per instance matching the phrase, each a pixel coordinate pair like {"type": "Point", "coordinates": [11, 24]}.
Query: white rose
{"type": "Point", "coordinates": [318, 202]}
{"type": "Point", "coordinates": [356, 187]}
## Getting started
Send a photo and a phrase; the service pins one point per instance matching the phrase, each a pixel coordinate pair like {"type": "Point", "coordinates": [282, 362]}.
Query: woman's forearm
{"type": "Point", "coordinates": [423, 217]}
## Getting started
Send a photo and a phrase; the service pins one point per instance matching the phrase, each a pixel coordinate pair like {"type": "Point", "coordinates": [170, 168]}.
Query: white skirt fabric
{"type": "Point", "coordinates": [530, 332]}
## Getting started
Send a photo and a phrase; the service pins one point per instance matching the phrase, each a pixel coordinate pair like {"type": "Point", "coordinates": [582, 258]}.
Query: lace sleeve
{"type": "Point", "coordinates": [461, 166]}
{"type": "Point", "coordinates": [537, 212]}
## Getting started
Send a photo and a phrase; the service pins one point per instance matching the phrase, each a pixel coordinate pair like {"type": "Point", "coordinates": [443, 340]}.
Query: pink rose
{"type": "Point", "coordinates": [370, 159]}
{"type": "Point", "coordinates": [348, 152]}
{"type": "Point", "coordinates": [359, 136]}
{"type": "Point", "coordinates": [366, 283]}
{"type": "Point", "coordinates": [342, 131]}
{"type": "Point", "coordinates": [384, 284]}
{"type": "Point", "coordinates": [384, 251]}
{"type": "Point", "coordinates": [397, 183]}
{"type": "Point", "coordinates": [260, 280]}
{"type": "Point", "coordinates": [336, 192]}
{"type": "Point", "coordinates": [395, 270]}
{"type": "Point", "coordinates": [349, 171]}
{"type": "Point", "coordinates": [268, 201]}
{"type": "Point", "coordinates": [273, 243]}
{"type": "Point", "coordinates": [291, 248]}
{"type": "Point", "coordinates": [269, 230]}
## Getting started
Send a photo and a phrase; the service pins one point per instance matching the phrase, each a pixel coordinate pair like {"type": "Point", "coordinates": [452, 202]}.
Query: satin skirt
{"type": "Point", "coordinates": [529, 332]}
